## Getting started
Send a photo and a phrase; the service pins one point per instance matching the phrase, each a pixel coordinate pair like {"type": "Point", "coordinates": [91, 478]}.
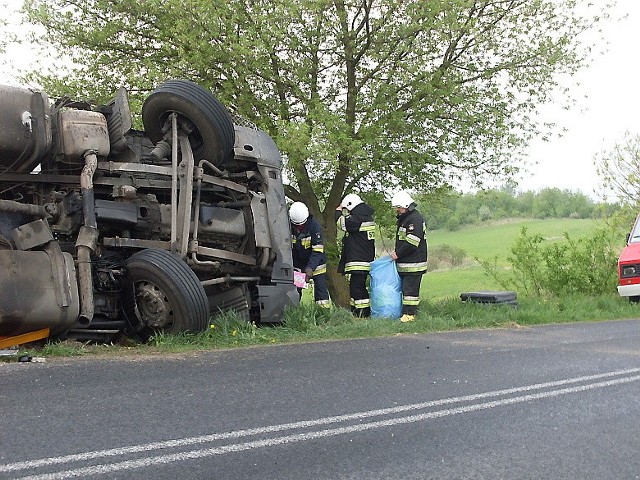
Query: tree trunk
{"type": "Point", "coordinates": [338, 287]}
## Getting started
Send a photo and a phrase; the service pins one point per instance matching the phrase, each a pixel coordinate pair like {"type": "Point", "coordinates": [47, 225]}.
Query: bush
{"type": "Point", "coordinates": [444, 256]}
{"type": "Point", "coordinates": [454, 223]}
{"type": "Point", "coordinates": [587, 265]}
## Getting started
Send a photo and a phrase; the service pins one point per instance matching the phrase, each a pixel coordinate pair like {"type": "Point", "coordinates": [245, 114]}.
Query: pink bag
{"type": "Point", "coordinates": [299, 279]}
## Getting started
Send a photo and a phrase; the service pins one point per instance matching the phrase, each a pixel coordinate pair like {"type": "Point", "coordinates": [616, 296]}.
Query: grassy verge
{"type": "Point", "coordinates": [449, 284]}
{"type": "Point", "coordinates": [441, 308]}
{"type": "Point", "coordinates": [309, 323]}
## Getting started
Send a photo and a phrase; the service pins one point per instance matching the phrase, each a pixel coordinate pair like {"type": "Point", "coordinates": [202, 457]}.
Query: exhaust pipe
{"type": "Point", "coordinates": [87, 239]}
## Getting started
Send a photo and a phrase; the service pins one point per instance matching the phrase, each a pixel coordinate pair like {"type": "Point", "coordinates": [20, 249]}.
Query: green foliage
{"type": "Point", "coordinates": [310, 315]}
{"type": "Point", "coordinates": [622, 219]}
{"type": "Point", "coordinates": [438, 285]}
{"type": "Point", "coordinates": [452, 210]}
{"type": "Point", "coordinates": [64, 349]}
{"type": "Point", "coordinates": [226, 329]}
{"type": "Point", "coordinates": [619, 169]}
{"type": "Point", "coordinates": [586, 265]}
{"type": "Point", "coordinates": [490, 239]}
{"type": "Point", "coordinates": [446, 256]}
{"type": "Point", "coordinates": [350, 96]}
{"type": "Point", "coordinates": [583, 266]}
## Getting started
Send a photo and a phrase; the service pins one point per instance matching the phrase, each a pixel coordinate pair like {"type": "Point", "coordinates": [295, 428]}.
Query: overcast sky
{"type": "Point", "coordinates": [608, 102]}
{"type": "Point", "coordinates": [608, 106]}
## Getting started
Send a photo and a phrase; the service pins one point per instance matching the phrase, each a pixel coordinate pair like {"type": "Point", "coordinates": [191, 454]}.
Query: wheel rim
{"type": "Point", "coordinates": [153, 305]}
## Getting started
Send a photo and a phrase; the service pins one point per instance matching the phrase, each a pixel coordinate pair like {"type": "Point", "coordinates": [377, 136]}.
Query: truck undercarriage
{"type": "Point", "coordinates": [105, 229]}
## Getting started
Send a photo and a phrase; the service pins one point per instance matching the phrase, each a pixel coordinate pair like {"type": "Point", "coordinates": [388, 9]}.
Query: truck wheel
{"type": "Point", "coordinates": [163, 294]}
{"type": "Point", "coordinates": [212, 136]}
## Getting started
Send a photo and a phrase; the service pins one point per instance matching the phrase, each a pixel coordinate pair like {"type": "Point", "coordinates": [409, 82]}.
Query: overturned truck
{"type": "Point", "coordinates": [106, 229]}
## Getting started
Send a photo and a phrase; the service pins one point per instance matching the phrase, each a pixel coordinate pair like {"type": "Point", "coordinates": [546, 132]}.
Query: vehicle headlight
{"type": "Point", "coordinates": [630, 271]}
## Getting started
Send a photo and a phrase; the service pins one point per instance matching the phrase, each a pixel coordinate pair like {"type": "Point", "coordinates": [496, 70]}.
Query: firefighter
{"type": "Point", "coordinates": [410, 252]}
{"type": "Point", "coordinates": [308, 251]}
{"type": "Point", "coordinates": [355, 218]}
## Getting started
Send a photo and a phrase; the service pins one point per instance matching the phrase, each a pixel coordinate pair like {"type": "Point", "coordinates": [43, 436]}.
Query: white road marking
{"type": "Point", "coordinates": [237, 447]}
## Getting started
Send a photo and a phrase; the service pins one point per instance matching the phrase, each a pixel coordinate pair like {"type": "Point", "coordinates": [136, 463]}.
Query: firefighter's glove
{"type": "Point", "coordinates": [308, 274]}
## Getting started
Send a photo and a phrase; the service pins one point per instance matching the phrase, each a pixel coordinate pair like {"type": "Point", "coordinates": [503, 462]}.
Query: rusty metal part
{"type": "Point", "coordinates": [31, 235]}
{"type": "Point", "coordinates": [87, 238]}
{"type": "Point", "coordinates": [159, 170]}
{"type": "Point", "coordinates": [218, 253]}
{"type": "Point", "coordinates": [135, 243]}
{"type": "Point", "coordinates": [153, 306]}
{"type": "Point", "coordinates": [174, 182]}
{"type": "Point", "coordinates": [9, 206]}
{"type": "Point", "coordinates": [185, 180]}
{"type": "Point", "coordinates": [229, 279]}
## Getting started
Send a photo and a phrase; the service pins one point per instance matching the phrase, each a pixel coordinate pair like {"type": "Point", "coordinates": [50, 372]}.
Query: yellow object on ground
{"type": "Point", "coordinates": [24, 338]}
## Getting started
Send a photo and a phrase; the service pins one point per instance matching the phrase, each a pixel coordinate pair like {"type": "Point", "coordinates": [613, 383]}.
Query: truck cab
{"type": "Point", "coordinates": [629, 265]}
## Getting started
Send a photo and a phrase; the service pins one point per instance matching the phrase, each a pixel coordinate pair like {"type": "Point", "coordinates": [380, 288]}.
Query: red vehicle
{"type": "Point", "coordinates": [629, 266]}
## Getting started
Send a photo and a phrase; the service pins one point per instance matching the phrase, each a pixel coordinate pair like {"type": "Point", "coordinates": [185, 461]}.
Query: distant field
{"type": "Point", "coordinates": [486, 242]}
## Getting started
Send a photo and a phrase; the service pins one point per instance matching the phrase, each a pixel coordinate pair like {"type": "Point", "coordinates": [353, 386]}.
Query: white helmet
{"type": "Point", "coordinates": [351, 201]}
{"type": "Point", "coordinates": [298, 213]}
{"type": "Point", "coordinates": [401, 199]}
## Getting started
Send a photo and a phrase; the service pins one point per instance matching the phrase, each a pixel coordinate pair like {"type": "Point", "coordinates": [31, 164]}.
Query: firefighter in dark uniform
{"type": "Point", "coordinates": [410, 252]}
{"type": "Point", "coordinates": [355, 218]}
{"type": "Point", "coordinates": [308, 251]}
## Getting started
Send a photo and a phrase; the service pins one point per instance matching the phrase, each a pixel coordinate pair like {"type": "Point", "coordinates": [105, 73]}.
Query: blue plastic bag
{"type": "Point", "coordinates": [386, 290]}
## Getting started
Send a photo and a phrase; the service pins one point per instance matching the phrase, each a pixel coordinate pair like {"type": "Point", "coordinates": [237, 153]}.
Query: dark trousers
{"type": "Point", "coordinates": [360, 302]}
{"type": "Point", "coordinates": [320, 289]}
{"type": "Point", "coordinates": [410, 292]}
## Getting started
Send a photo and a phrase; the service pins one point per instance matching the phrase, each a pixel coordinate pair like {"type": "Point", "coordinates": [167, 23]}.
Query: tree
{"type": "Point", "coordinates": [7, 36]}
{"type": "Point", "coordinates": [619, 170]}
{"type": "Point", "coordinates": [364, 95]}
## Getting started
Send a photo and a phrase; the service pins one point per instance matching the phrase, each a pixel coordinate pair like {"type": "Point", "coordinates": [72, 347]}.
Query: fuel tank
{"type": "Point", "coordinates": [25, 128]}
{"type": "Point", "coordinates": [38, 289]}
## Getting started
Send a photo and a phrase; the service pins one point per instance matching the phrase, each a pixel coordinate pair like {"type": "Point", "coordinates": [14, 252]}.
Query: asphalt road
{"type": "Point", "coordinates": [558, 401]}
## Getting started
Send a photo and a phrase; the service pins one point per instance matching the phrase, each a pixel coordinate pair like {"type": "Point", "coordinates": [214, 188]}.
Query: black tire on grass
{"type": "Point", "coordinates": [163, 294]}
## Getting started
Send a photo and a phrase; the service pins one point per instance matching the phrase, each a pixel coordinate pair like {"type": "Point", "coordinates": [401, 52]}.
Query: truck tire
{"type": "Point", "coordinates": [213, 135]}
{"type": "Point", "coordinates": [163, 294]}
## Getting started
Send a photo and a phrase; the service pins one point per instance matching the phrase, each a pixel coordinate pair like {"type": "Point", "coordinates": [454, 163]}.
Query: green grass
{"type": "Point", "coordinates": [488, 240]}
{"type": "Point", "coordinates": [444, 284]}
